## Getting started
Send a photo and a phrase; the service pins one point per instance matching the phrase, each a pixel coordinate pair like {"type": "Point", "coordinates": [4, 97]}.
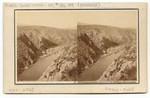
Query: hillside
{"type": "Point", "coordinates": [123, 68]}
{"type": "Point", "coordinates": [33, 41]}
{"type": "Point", "coordinates": [94, 41]}
{"type": "Point", "coordinates": [93, 50]}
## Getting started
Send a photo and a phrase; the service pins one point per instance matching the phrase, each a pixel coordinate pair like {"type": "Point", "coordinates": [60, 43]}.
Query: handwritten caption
{"type": "Point", "coordinates": [123, 89]}
{"type": "Point", "coordinates": [24, 90]}
{"type": "Point", "coordinates": [54, 5]}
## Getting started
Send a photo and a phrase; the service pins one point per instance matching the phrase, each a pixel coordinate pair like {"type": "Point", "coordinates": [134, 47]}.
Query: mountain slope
{"type": "Point", "coordinates": [124, 68]}
{"type": "Point", "coordinates": [33, 42]}
{"type": "Point", "coordinates": [96, 41]}
{"type": "Point", "coordinates": [74, 51]}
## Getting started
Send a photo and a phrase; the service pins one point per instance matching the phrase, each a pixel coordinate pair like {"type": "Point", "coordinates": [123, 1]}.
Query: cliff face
{"type": "Point", "coordinates": [89, 52]}
{"type": "Point", "coordinates": [97, 41]}
{"type": "Point", "coordinates": [74, 51]}
{"type": "Point", "coordinates": [117, 35]}
{"type": "Point", "coordinates": [27, 53]}
{"type": "Point", "coordinates": [124, 68]}
{"type": "Point", "coordinates": [55, 35]}
{"type": "Point", "coordinates": [33, 42]}
{"type": "Point", "coordinates": [64, 67]}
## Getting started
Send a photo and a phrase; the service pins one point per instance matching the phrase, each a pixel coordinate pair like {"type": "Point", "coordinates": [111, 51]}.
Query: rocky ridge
{"type": "Point", "coordinates": [77, 50]}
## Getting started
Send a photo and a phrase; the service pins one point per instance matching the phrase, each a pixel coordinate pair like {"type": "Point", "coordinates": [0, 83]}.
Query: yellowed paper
{"type": "Point", "coordinates": [75, 47]}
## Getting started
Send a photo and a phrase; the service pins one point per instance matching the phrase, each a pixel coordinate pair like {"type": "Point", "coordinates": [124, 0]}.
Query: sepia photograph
{"type": "Point", "coordinates": [75, 48]}
{"type": "Point", "coordinates": [82, 46]}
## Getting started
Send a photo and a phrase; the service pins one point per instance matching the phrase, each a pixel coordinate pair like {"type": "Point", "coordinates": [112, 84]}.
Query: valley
{"type": "Point", "coordinates": [90, 53]}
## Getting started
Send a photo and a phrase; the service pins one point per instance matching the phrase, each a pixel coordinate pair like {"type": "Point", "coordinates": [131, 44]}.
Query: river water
{"type": "Point", "coordinates": [37, 69]}
{"type": "Point", "coordinates": [93, 73]}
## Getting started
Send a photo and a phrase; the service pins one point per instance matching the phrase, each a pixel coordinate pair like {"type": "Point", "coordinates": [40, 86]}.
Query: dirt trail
{"type": "Point", "coordinates": [94, 72]}
{"type": "Point", "coordinates": [34, 72]}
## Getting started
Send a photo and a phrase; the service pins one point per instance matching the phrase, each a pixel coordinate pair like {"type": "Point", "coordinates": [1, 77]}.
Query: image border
{"type": "Point", "coordinates": [76, 82]}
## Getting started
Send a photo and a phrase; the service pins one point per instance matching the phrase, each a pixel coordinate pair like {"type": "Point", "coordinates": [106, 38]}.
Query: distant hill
{"type": "Point", "coordinates": [119, 35]}
{"type": "Point", "coordinates": [32, 41]}
{"type": "Point", "coordinates": [79, 48]}
{"type": "Point", "coordinates": [95, 40]}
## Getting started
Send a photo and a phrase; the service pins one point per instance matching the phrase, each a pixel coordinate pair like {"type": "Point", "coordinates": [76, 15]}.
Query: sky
{"type": "Point", "coordinates": [70, 18]}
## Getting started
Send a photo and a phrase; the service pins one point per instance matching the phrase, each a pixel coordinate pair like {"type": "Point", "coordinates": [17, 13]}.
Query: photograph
{"type": "Point", "coordinates": [77, 46]}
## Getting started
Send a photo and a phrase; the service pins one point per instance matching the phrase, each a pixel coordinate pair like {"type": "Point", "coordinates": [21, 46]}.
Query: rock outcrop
{"type": "Point", "coordinates": [33, 42]}
{"type": "Point", "coordinates": [77, 51]}
{"type": "Point", "coordinates": [124, 68]}
{"type": "Point", "coordinates": [96, 41]}
{"type": "Point", "coordinates": [65, 67]}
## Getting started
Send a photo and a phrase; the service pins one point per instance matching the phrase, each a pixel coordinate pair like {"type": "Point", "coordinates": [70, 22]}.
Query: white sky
{"type": "Point", "coordinates": [70, 18]}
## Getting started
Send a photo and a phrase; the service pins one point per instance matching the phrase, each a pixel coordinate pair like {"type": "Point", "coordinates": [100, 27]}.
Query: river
{"type": "Point", "coordinates": [93, 73]}
{"type": "Point", "coordinates": [33, 73]}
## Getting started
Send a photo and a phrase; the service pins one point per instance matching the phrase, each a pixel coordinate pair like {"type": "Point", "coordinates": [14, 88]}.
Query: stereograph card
{"type": "Point", "coordinates": [75, 47]}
